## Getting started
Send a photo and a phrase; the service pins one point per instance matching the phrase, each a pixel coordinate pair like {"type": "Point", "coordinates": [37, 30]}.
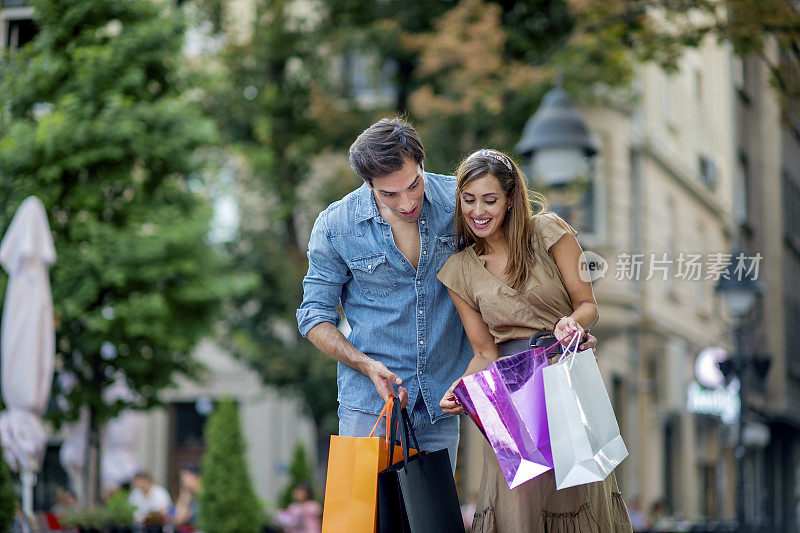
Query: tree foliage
{"type": "Point", "coordinates": [279, 116]}
{"type": "Point", "coordinates": [228, 503]}
{"type": "Point", "coordinates": [8, 496]}
{"type": "Point", "coordinates": [95, 121]}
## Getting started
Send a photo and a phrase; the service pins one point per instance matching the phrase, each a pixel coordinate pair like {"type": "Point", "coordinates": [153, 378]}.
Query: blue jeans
{"type": "Point", "coordinates": [431, 437]}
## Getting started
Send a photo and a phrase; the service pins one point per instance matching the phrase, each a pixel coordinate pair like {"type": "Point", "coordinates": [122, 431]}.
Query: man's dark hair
{"type": "Point", "coordinates": [191, 467]}
{"type": "Point", "coordinates": [381, 148]}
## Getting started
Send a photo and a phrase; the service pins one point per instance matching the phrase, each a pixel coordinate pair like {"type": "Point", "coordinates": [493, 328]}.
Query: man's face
{"type": "Point", "coordinates": [142, 483]}
{"type": "Point", "coordinates": [402, 191]}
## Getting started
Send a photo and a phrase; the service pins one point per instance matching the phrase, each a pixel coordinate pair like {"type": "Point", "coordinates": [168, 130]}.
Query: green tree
{"type": "Point", "coordinates": [95, 120]}
{"type": "Point", "coordinates": [228, 503]}
{"type": "Point", "coordinates": [8, 496]}
{"type": "Point", "coordinates": [661, 30]}
{"type": "Point", "coordinates": [300, 472]}
{"type": "Point", "coordinates": [279, 118]}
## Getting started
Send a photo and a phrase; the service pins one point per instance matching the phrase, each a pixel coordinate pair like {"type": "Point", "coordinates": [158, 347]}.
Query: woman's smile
{"type": "Point", "coordinates": [484, 205]}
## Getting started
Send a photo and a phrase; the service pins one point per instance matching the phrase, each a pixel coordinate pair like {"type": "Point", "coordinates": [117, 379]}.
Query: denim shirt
{"type": "Point", "coordinates": [399, 316]}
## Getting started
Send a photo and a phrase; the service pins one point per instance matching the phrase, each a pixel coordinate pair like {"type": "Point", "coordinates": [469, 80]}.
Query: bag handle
{"type": "Point", "coordinates": [574, 342]}
{"type": "Point", "coordinates": [396, 415]}
{"type": "Point", "coordinates": [408, 429]}
{"type": "Point", "coordinates": [386, 411]}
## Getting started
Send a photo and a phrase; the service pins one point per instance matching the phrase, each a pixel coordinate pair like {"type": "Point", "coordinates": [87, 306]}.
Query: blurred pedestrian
{"type": "Point", "coordinates": [151, 501]}
{"type": "Point", "coordinates": [303, 514]}
{"type": "Point", "coordinates": [186, 507]}
{"type": "Point", "coordinates": [639, 519]}
{"type": "Point", "coordinates": [659, 515]}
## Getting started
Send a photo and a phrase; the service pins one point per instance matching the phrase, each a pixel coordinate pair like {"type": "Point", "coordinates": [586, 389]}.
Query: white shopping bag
{"type": "Point", "coordinates": [584, 434]}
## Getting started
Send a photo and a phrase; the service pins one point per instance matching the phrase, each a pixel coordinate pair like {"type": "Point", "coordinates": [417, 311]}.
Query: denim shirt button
{"type": "Point", "coordinates": [422, 342]}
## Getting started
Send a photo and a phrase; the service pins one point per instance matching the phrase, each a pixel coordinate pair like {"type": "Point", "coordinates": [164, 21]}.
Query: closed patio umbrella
{"type": "Point", "coordinates": [27, 341]}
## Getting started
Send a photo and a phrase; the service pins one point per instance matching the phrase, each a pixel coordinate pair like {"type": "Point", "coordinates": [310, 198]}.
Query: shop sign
{"type": "Point", "coordinates": [722, 401]}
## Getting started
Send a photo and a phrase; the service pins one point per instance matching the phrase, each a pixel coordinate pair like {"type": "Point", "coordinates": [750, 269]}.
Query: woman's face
{"type": "Point", "coordinates": [484, 205]}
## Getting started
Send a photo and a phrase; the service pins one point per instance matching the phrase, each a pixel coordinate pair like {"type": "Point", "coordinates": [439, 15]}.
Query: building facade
{"type": "Point", "coordinates": [768, 219]}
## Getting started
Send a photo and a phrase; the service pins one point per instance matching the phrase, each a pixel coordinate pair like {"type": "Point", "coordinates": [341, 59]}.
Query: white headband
{"type": "Point", "coordinates": [494, 154]}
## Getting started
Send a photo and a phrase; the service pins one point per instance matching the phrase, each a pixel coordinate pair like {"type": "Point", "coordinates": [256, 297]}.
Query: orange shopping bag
{"type": "Point", "coordinates": [351, 487]}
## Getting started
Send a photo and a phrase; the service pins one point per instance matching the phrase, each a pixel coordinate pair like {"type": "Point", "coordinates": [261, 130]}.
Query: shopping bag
{"type": "Point", "coordinates": [392, 517]}
{"type": "Point", "coordinates": [424, 487]}
{"type": "Point", "coordinates": [351, 487]}
{"type": "Point", "coordinates": [506, 401]}
{"type": "Point", "coordinates": [584, 434]}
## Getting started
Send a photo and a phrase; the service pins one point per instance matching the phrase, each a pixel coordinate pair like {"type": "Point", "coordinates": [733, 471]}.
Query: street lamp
{"type": "Point", "coordinates": [739, 292]}
{"type": "Point", "coordinates": [555, 141]}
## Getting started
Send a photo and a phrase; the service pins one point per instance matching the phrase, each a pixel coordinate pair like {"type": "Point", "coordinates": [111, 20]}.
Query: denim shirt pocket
{"type": "Point", "coordinates": [374, 275]}
{"type": "Point", "coordinates": [445, 247]}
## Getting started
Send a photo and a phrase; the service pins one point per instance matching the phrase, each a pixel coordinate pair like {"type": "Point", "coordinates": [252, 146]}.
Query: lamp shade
{"type": "Point", "coordinates": [556, 139]}
{"type": "Point", "coordinates": [739, 291]}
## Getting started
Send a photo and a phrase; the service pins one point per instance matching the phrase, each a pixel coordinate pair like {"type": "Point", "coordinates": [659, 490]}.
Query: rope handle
{"type": "Point", "coordinates": [386, 411]}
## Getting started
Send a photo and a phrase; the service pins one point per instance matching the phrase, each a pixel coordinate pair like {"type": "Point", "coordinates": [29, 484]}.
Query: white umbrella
{"type": "Point", "coordinates": [120, 462]}
{"type": "Point", "coordinates": [73, 451]}
{"type": "Point", "coordinates": [27, 344]}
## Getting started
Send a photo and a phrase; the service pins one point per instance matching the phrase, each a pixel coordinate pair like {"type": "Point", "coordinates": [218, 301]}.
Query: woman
{"type": "Point", "coordinates": [517, 274]}
{"type": "Point", "coordinates": [303, 515]}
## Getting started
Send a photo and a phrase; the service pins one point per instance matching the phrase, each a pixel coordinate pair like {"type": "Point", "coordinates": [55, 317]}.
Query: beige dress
{"type": "Point", "coordinates": [510, 314]}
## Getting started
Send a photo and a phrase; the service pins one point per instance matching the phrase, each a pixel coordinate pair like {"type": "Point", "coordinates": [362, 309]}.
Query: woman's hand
{"type": "Point", "coordinates": [589, 341]}
{"type": "Point", "coordinates": [448, 403]}
{"type": "Point", "coordinates": [566, 328]}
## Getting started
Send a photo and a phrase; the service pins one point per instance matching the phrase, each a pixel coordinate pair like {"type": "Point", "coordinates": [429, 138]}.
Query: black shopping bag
{"type": "Point", "coordinates": [392, 516]}
{"type": "Point", "coordinates": [426, 492]}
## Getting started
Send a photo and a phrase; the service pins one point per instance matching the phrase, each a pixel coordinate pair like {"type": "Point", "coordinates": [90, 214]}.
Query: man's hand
{"type": "Point", "coordinates": [448, 402]}
{"type": "Point", "coordinates": [385, 380]}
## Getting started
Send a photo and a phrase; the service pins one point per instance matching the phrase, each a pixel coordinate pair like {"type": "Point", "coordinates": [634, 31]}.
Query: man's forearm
{"type": "Point", "coordinates": [330, 340]}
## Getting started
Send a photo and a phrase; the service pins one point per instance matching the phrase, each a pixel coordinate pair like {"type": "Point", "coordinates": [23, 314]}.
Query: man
{"type": "Point", "coordinates": [377, 252]}
{"type": "Point", "coordinates": [148, 498]}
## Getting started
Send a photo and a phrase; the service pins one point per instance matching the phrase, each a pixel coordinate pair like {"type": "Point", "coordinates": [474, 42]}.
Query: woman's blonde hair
{"type": "Point", "coordinates": [523, 241]}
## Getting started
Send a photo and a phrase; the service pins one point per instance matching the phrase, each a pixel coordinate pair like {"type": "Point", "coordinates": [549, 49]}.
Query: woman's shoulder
{"type": "Point", "coordinates": [550, 228]}
{"type": "Point", "coordinates": [461, 258]}
{"type": "Point", "coordinates": [548, 219]}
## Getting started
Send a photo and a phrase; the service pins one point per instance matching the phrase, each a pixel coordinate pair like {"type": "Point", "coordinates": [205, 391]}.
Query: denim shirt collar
{"type": "Point", "coordinates": [366, 208]}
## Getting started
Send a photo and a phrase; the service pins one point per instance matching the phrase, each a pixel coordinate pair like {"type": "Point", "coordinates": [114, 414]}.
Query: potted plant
{"type": "Point", "coordinates": [91, 520]}
{"type": "Point", "coordinates": [119, 513]}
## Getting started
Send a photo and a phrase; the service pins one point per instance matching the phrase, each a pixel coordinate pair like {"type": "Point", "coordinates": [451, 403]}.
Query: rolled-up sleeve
{"type": "Point", "coordinates": [322, 286]}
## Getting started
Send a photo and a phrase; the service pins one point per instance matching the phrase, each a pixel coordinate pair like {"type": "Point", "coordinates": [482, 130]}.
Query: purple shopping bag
{"type": "Point", "coordinates": [506, 401]}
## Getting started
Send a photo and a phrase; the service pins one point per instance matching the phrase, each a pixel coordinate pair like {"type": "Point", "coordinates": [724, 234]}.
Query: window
{"type": "Point", "coordinates": [791, 211]}
{"type": "Point", "coordinates": [16, 24]}
{"type": "Point", "coordinates": [740, 187]}
{"type": "Point", "coordinates": [707, 171]}
{"type": "Point", "coordinates": [13, 3]}
{"type": "Point", "coordinates": [667, 87]}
